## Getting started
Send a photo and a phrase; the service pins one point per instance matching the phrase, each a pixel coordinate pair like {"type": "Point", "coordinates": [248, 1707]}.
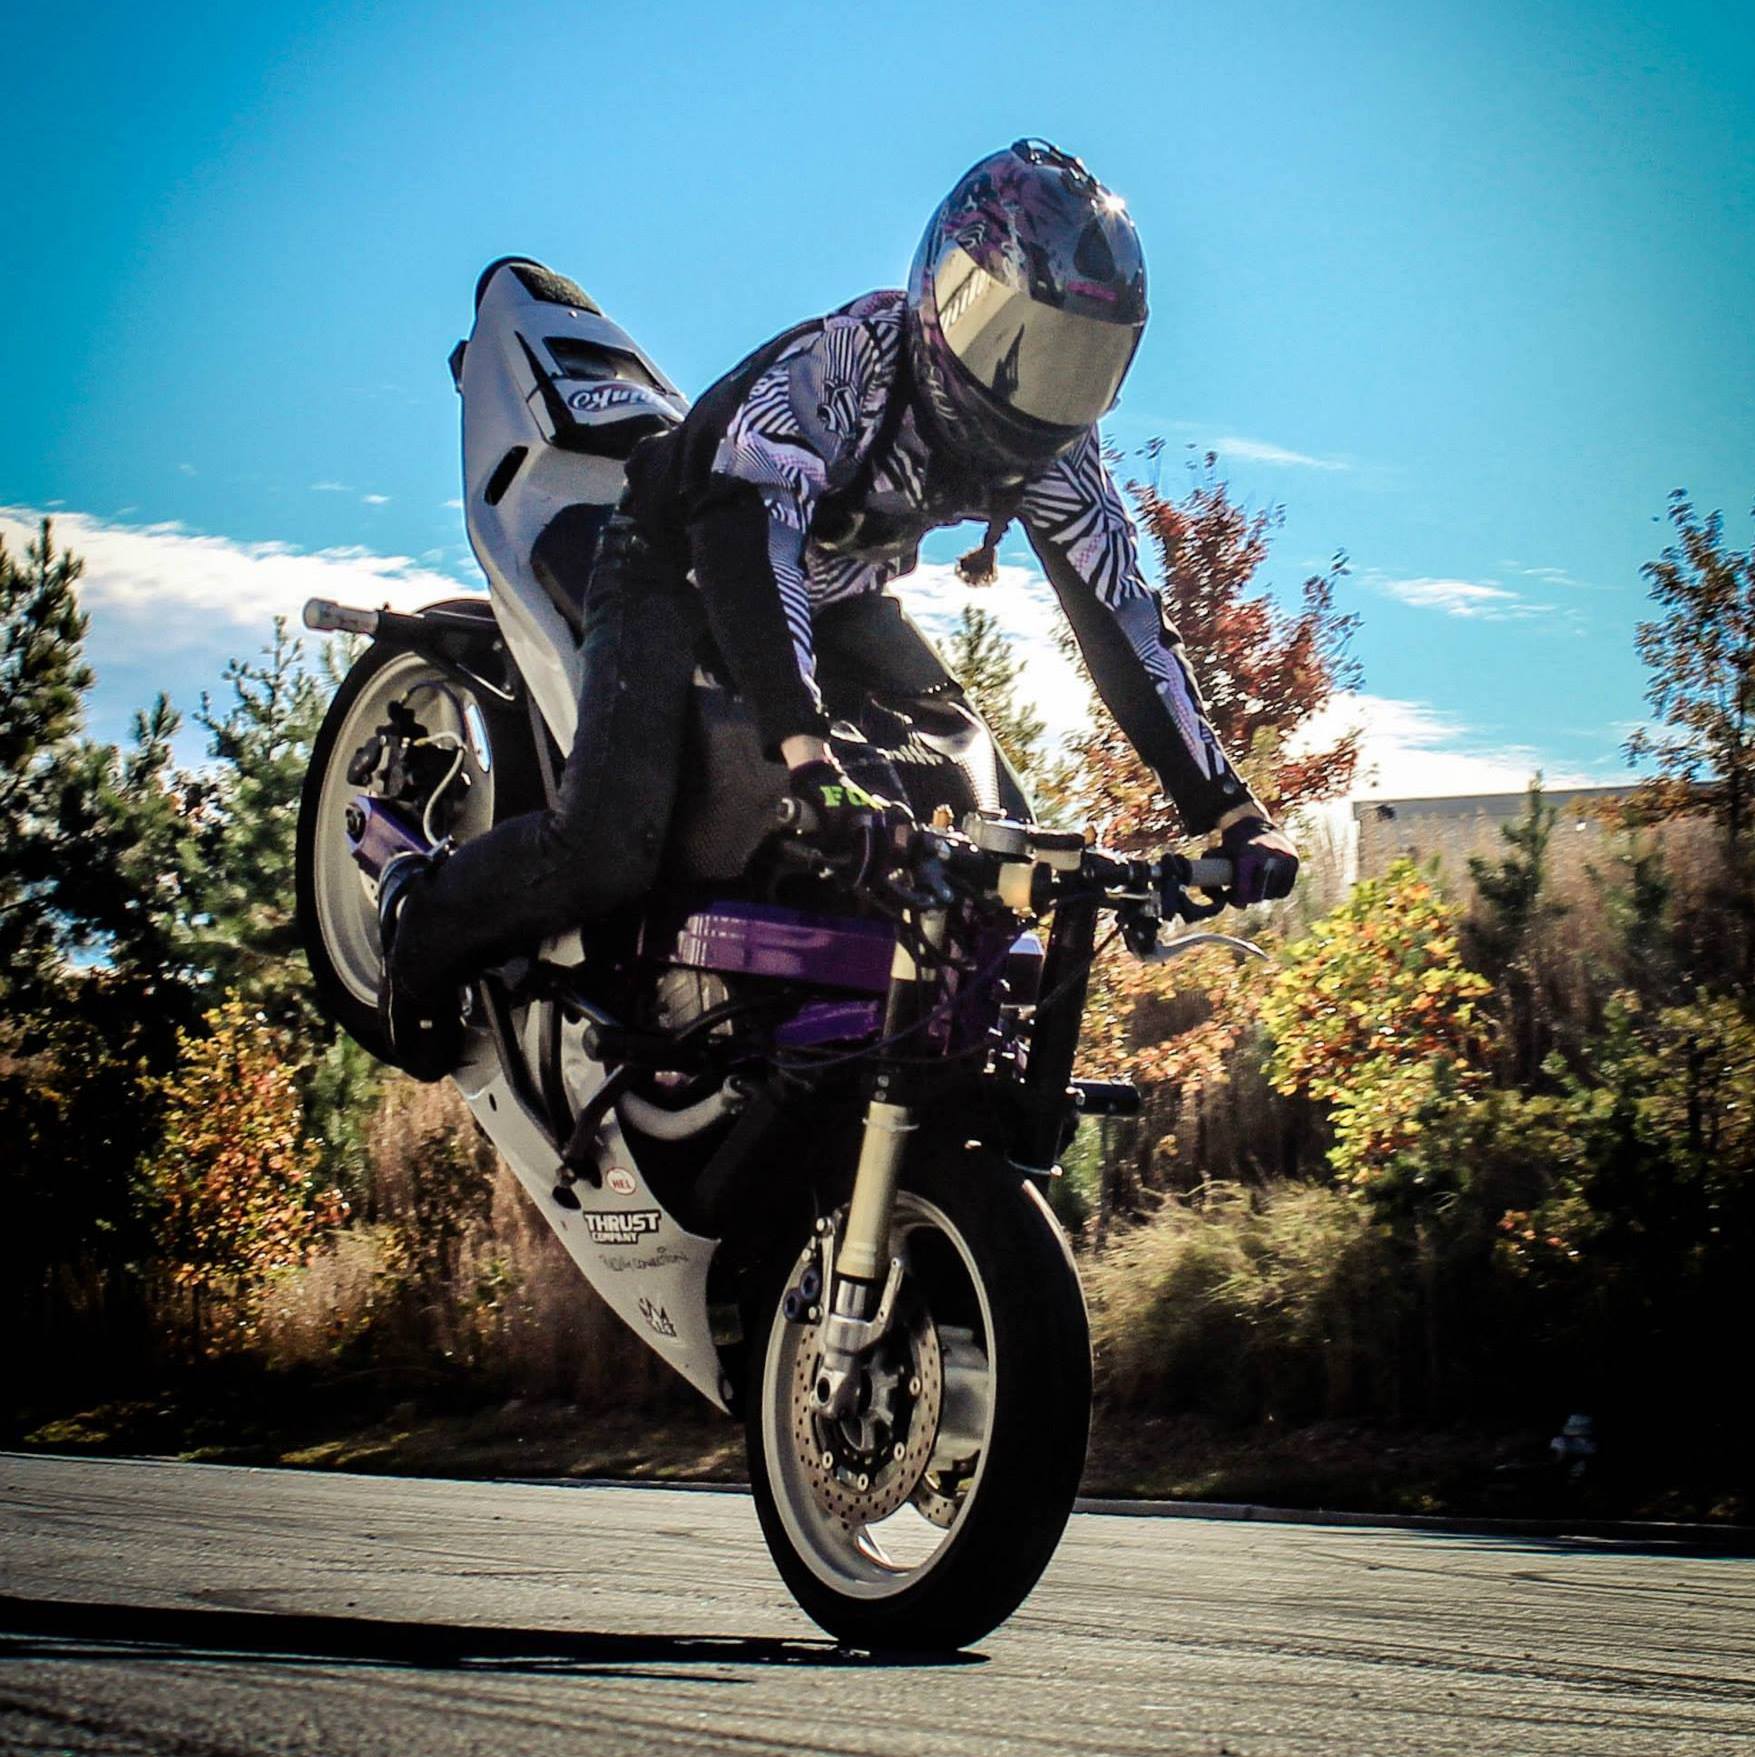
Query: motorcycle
{"type": "Point", "coordinates": [794, 1125]}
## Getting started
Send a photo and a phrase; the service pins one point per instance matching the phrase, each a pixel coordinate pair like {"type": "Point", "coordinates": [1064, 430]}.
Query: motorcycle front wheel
{"type": "Point", "coordinates": [923, 1520]}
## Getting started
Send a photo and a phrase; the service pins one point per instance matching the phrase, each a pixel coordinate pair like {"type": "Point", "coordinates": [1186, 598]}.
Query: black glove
{"type": "Point", "coordinates": [841, 818]}
{"type": "Point", "coordinates": [1264, 864]}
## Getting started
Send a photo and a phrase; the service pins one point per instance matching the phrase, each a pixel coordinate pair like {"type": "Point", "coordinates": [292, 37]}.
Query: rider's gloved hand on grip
{"type": "Point", "coordinates": [1264, 864]}
{"type": "Point", "coordinates": [845, 821]}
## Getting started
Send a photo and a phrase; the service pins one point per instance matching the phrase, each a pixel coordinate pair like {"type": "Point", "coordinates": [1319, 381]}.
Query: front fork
{"type": "Point", "coordinates": [862, 1287]}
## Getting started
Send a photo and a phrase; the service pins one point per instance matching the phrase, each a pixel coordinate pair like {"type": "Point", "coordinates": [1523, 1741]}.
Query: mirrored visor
{"type": "Point", "coordinates": [1049, 364]}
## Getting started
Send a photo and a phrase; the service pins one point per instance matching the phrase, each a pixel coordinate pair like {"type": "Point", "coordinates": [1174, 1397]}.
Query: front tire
{"type": "Point", "coordinates": [990, 1315]}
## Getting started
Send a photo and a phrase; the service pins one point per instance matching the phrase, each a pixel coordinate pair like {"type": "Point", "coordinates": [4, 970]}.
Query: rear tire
{"type": "Point", "coordinates": [1010, 1517]}
{"type": "Point", "coordinates": [336, 908]}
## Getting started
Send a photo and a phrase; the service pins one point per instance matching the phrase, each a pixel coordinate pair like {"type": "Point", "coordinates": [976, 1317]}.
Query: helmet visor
{"type": "Point", "coordinates": [1052, 365]}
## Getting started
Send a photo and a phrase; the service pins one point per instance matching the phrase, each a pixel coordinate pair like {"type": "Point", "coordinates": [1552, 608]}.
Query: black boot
{"type": "Point", "coordinates": [424, 1035]}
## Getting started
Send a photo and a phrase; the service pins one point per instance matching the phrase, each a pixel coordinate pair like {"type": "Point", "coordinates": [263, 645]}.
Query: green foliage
{"type": "Point", "coordinates": [1700, 653]}
{"type": "Point", "coordinates": [1513, 902]}
{"type": "Point", "coordinates": [262, 743]}
{"type": "Point", "coordinates": [1376, 1015]}
{"type": "Point", "coordinates": [1284, 1304]}
{"type": "Point", "coordinates": [1512, 892]}
{"type": "Point", "coordinates": [43, 679]}
{"type": "Point", "coordinates": [433, 1184]}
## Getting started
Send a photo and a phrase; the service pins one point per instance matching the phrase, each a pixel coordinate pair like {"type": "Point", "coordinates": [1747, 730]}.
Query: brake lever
{"type": "Point", "coordinates": [1179, 905]}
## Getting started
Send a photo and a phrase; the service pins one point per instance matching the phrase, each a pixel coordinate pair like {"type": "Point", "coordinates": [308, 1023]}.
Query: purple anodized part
{"type": "Point", "coordinates": [380, 832]}
{"type": "Point", "coordinates": [763, 939]}
{"type": "Point", "coordinates": [830, 1022]}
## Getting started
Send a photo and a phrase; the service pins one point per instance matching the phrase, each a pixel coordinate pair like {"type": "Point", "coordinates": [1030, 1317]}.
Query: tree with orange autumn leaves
{"type": "Point", "coordinates": [232, 1193]}
{"type": "Point", "coordinates": [1265, 673]}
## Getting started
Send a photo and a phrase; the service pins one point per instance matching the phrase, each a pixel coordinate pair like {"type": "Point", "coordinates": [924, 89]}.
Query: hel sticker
{"type": "Point", "coordinates": [657, 1319]}
{"type": "Point", "coordinates": [621, 1180]}
{"type": "Point", "coordinates": [621, 1228]}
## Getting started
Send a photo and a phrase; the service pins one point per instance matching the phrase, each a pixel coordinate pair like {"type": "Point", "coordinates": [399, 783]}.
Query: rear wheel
{"type": "Point", "coordinates": [924, 1520]}
{"type": "Point", "coordinates": [337, 903]}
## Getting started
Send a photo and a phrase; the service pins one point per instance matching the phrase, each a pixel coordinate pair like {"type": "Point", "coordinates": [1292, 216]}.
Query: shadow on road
{"type": "Point", "coordinates": [58, 1628]}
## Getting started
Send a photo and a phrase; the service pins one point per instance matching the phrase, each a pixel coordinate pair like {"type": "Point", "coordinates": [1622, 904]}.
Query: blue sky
{"type": "Point", "coordinates": [1467, 288]}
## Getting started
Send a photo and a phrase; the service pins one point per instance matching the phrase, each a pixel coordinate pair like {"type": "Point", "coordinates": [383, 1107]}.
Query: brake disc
{"type": "Point", "coordinates": [862, 1468]}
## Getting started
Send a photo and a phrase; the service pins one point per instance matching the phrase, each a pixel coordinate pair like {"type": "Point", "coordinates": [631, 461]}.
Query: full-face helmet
{"type": "Point", "coordinates": [1025, 306]}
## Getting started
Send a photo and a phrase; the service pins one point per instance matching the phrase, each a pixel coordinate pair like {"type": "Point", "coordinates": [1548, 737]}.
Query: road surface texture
{"type": "Point", "coordinates": [198, 1610]}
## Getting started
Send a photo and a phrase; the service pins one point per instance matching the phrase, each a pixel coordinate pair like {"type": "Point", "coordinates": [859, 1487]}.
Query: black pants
{"type": "Point", "coordinates": [600, 847]}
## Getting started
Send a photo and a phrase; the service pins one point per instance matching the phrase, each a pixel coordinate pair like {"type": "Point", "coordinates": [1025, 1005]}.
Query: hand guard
{"type": "Point", "coordinates": [1264, 863]}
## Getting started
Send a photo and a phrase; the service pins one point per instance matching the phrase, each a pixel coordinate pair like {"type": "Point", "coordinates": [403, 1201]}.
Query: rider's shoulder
{"type": "Point", "coordinates": [1082, 466]}
{"type": "Point", "coordinates": [886, 306]}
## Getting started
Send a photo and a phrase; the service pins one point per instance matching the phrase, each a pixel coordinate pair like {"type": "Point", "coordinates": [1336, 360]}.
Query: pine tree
{"type": "Point", "coordinates": [262, 743]}
{"type": "Point", "coordinates": [983, 663]}
{"type": "Point", "coordinates": [1511, 902]}
{"type": "Point", "coordinates": [43, 679]}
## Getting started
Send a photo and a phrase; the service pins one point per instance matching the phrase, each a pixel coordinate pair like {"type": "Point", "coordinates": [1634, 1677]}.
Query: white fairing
{"type": "Point", "coordinates": [646, 1268]}
{"type": "Point", "coordinates": [518, 389]}
{"type": "Point", "coordinates": [521, 391]}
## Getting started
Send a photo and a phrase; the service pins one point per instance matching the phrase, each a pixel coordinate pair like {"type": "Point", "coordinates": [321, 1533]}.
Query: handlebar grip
{"type": "Point", "coordinates": [796, 815]}
{"type": "Point", "coordinates": [1211, 874]}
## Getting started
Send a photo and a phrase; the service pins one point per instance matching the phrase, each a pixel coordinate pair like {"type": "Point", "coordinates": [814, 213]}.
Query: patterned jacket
{"type": "Point", "coordinates": [794, 484]}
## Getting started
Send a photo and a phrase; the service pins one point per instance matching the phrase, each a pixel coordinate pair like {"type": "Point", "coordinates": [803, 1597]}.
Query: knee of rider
{"type": "Point", "coordinates": [608, 871]}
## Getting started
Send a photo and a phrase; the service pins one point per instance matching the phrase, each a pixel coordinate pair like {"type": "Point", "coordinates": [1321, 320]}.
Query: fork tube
{"type": "Point", "coordinates": [889, 1119]}
{"type": "Point", "coordinates": [1054, 1033]}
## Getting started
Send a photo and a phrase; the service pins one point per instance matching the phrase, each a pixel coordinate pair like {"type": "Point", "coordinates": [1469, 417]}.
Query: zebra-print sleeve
{"type": "Point", "coordinates": [1081, 532]}
{"type": "Point", "coordinates": [798, 434]}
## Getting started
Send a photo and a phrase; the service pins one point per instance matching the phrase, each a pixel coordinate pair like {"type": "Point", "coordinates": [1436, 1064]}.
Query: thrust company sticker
{"type": "Point", "coordinates": [622, 1227]}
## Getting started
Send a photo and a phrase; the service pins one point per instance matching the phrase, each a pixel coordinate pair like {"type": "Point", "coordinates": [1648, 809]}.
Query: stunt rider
{"type": "Point", "coordinates": [804, 478]}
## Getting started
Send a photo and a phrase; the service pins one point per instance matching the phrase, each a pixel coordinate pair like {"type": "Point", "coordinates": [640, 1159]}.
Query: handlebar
{"type": "Point", "coordinates": [947, 851]}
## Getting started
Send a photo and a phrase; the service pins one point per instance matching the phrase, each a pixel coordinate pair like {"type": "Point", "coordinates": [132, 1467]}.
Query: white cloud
{"type": "Point", "coordinates": [1263, 451]}
{"type": "Point", "coordinates": [376, 499]}
{"type": "Point", "coordinates": [169, 605]}
{"type": "Point", "coordinates": [1412, 751]}
{"type": "Point", "coordinates": [158, 589]}
{"type": "Point", "coordinates": [1484, 600]}
{"type": "Point", "coordinates": [1028, 611]}
{"type": "Point", "coordinates": [330, 488]}
{"type": "Point", "coordinates": [1409, 749]}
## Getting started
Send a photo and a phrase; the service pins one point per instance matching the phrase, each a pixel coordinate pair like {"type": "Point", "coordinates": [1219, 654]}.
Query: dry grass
{"type": "Point", "coordinates": [449, 1268]}
{"type": "Point", "coordinates": [1244, 1304]}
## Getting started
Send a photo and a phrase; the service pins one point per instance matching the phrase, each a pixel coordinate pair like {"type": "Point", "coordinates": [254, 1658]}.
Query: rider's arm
{"type": "Point", "coordinates": [795, 436]}
{"type": "Point", "coordinates": [1085, 541]}
{"type": "Point", "coordinates": [747, 549]}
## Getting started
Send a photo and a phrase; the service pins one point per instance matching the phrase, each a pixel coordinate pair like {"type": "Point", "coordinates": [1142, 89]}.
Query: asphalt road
{"type": "Point", "coordinates": [202, 1611]}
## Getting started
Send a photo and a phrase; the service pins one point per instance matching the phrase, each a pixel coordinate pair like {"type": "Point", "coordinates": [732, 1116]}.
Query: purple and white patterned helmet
{"type": "Point", "coordinates": [1025, 305]}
